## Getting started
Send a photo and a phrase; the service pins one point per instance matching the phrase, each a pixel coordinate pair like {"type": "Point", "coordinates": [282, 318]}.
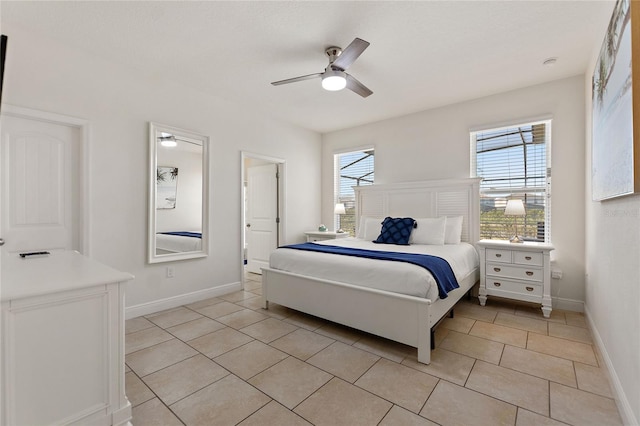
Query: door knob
{"type": "Point", "coordinates": [1, 241]}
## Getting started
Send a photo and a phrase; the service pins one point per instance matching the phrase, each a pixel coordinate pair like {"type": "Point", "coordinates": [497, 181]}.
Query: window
{"type": "Point", "coordinates": [514, 163]}
{"type": "Point", "coordinates": [351, 169]}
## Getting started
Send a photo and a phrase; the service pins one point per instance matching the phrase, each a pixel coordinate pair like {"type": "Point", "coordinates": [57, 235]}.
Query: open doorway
{"type": "Point", "coordinates": [262, 212]}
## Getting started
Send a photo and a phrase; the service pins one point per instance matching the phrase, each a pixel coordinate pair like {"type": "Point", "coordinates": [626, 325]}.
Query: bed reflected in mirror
{"type": "Point", "coordinates": [178, 170]}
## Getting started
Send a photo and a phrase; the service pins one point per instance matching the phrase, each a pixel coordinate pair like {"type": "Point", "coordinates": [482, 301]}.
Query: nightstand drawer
{"type": "Point", "coordinates": [496, 255]}
{"type": "Point", "coordinates": [514, 272]}
{"type": "Point", "coordinates": [527, 258]}
{"type": "Point", "coordinates": [514, 287]}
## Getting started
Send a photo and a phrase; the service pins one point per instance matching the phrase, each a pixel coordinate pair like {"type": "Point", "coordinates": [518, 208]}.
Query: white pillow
{"type": "Point", "coordinates": [453, 230]}
{"type": "Point", "coordinates": [429, 231]}
{"type": "Point", "coordinates": [370, 227]}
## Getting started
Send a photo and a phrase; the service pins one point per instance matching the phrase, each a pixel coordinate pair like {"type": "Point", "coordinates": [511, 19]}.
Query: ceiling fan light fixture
{"type": "Point", "coordinates": [168, 140]}
{"type": "Point", "coordinates": [334, 80]}
{"type": "Point", "coordinates": [334, 76]}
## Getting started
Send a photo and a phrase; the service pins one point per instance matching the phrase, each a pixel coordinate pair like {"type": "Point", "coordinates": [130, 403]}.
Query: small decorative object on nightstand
{"type": "Point", "coordinates": [521, 272]}
{"type": "Point", "coordinates": [326, 235]}
{"type": "Point", "coordinates": [322, 228]}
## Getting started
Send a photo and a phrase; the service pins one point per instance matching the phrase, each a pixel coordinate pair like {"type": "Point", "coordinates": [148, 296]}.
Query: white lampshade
{"type": "Point", "coordinates": [339, 209]}
{"type": "Point", "coordinates": [514, 208]}
{"type": "Point", "coordinates": [334, 80]}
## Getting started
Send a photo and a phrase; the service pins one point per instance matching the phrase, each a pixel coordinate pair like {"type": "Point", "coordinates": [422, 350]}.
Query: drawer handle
{"type": "Point", "coordinates": [497, 284]}
{"type": "Point", "coordinates": [498, 255]}
{"type": "Point", "coordinates": [529, 273]}
{"type": "Point", "coordinates": [528, 257]}
{"type": "Point", "coordinates": [496, 269]}
{"type": "Point", "coordinates": [529, 288]}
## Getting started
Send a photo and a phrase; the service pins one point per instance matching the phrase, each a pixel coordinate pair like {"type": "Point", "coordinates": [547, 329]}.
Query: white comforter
{"type": "Point", "coordinates": [397, 277]}
{"type": "Point", "coordinates": [178, 243]}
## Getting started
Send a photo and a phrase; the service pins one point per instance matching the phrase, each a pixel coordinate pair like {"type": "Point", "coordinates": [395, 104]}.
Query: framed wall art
{"type": "Point", "coordinates": [615, 162]}
{"type": "Point", "coordinates": [167, 187]}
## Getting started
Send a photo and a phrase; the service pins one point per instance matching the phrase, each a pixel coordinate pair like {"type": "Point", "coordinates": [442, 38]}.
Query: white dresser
{"type": "Point", "coordinates": [324, 235]}
{"type": "Point", "coordinates": [516, 271]}
{"type": "Point", "coordinates": [62, 341]}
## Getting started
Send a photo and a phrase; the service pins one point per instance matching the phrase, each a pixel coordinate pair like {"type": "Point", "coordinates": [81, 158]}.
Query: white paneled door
{"type": "Point", "coordinates": [40, 184]}
{"type": "Point", "coordinates": [262, 215]}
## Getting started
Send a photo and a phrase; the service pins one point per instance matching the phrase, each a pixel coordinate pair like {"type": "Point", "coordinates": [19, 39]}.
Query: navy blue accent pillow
{"type": "Point", "coordinates": [396, 231]}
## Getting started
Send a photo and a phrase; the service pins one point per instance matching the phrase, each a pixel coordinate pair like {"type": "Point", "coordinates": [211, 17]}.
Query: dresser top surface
{"type": "Point", "coordinates": [527, 245]}
{"type": "Point", "coordinates": [62, 270]}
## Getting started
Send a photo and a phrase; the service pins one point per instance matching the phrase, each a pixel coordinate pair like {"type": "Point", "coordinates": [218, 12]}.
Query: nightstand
{"type": "Point", "coordinates": [516, 271]}
{"type": "Point", "coordinates": [324, 235]}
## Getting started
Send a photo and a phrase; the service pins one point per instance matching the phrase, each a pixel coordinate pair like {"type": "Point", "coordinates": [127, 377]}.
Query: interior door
{"type": "Point", "coordinates": [262, 215]}
{"type": "Point", "coordinates": [40, 185]}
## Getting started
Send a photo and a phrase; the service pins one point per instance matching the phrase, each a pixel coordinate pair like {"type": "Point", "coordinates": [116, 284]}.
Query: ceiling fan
{"type": "Point", "coordinates": [334, 76]}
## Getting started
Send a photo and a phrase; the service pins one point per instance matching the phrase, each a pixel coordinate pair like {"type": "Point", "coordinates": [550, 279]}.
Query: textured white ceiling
{"type": "Point", "coordinates": [422, 54]}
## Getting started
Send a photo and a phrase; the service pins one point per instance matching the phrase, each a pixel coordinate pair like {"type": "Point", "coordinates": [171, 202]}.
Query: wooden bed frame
{"type": "Point", "coordinates": [398, 317]}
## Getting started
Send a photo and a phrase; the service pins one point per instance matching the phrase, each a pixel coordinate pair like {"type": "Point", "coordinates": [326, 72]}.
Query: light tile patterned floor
{"type": "Point", "coordinates": [226, 361]}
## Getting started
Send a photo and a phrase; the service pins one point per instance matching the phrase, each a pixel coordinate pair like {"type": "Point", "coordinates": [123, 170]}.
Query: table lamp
{"type": "Point", "coordinates": [515, 208]}
{"type": "Point", "coordinates": [340, 210]}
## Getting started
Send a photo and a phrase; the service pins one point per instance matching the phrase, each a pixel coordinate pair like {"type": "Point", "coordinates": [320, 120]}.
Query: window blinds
{"type": "Point", "coordinates": [351, 169]}
{"type": "Point", "coordinates": [514, 163]}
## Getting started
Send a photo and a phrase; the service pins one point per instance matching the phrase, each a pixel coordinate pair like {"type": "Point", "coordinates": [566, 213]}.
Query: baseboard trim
{"type": "Point", "coordinates": [567, 304]}
{"type": "Point", "coordinates": [183, 299]}
{"type": "Point", "coordinates": [122, 416]}
{"type": "Point", "coordinates": [628, 418]}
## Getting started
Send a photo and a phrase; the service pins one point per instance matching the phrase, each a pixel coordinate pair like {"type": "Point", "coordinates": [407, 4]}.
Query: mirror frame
{"type": "Point", "coordinates": [153, 165]}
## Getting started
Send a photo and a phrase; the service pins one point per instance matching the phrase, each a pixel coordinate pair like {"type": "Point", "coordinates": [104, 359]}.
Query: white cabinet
{"type": "Point", "coordinates": [62, 341]}
{"type": "Point", "coordinates": [516, 271]}
{"type": "Point", "coordinates": [324, 235]}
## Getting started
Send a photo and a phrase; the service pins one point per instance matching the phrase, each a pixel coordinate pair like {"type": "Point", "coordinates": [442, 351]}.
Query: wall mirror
{"type": "Point", "coordinates": [178, 194]}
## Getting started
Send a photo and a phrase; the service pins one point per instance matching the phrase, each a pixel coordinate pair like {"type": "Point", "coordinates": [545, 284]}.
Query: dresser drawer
{"type": "Point", "coordinates": [497, 255]}
{"type": "Point", "coordinates": [527, 258]}
{"type": "Point", "coordinates": [515, 272]}
{"type": "Point", "coordinates": [530, 289]}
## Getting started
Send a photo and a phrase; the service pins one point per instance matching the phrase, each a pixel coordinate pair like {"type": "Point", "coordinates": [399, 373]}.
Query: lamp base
{"type": "Point", "coordinates": [516, 239]}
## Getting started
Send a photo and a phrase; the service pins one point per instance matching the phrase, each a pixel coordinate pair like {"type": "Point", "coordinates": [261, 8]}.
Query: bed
{"type": "Point", "coordinates": [178, 242]}
{"type": "Point", "coordinates": [406, 317]}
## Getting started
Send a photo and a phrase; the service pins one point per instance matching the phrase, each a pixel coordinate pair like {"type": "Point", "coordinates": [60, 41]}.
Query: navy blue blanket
{"type": "Point", "coordinates": [439, 268]}
{"type": "Point", "coordinates": [184, 234]}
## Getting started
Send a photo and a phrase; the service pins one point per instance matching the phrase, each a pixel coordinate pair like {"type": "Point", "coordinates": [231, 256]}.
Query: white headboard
{"type": "Point", "coordinates": [434, 198]}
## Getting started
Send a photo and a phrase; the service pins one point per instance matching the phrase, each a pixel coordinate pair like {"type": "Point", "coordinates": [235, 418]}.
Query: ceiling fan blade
{"type": "Point", "coordinates": [350, 54]}
{"type": "Point", "coordinates": [357, 87]}
{"type": "Point", "coordinates": [296, 79]}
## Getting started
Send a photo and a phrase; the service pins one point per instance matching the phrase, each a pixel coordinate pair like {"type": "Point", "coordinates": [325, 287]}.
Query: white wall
{"type": "Point", "coordinates": [613, 277]}
{"type": "Point", "coordinates": [119, 103]}
{"type": "Point", "coordinates": [434, 144]}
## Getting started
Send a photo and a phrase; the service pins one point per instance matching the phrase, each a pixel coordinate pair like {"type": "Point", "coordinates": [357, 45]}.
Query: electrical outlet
{"type": "Point", "coordinates": [557, 274]}
{"type": "Point", "coordinates": [170, 271]}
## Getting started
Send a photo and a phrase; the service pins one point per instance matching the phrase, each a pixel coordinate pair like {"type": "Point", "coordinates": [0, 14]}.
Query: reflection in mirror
{"type": "Point", "coordinates": [178, 170]}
